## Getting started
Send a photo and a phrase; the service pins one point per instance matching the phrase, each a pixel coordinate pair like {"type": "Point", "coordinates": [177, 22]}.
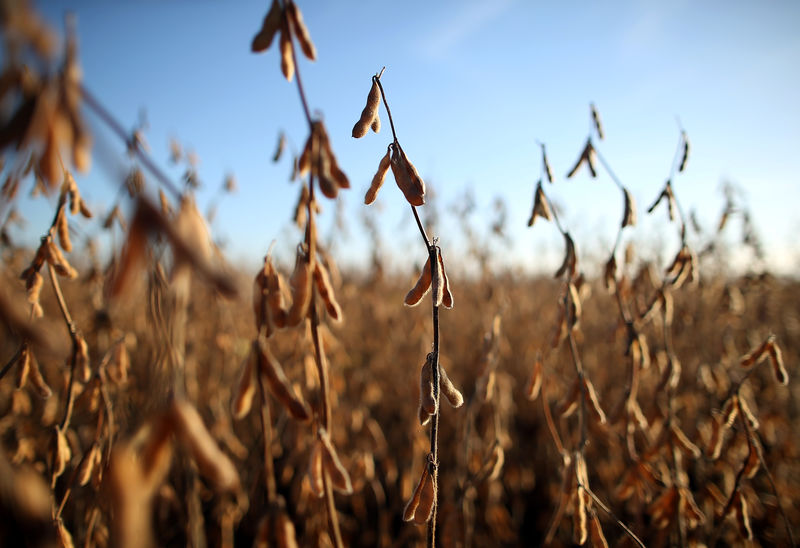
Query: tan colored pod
{"type": "Point", "coordinates": [685, 154]}
{"type": "Point", "coordinates": [326, 292]}
{"type": "Point", "coordinates": [427, 400]}
{"type": "Point", "coordinates": [62, 228]}
{"type": "Point", "coordinates": [778, 368]}
{"type": "Point", "coordinates": [82, 366]}
{"type": "Point", "coordinates": [213, 464]}
{"type": "Point", "coordinates": [454, 396]}
{"type": "Point", "coordinates": [683, 442]}
{"type": "Point", "coordinates": [333, 466]}
{"type": "Point", "coordinates": [629, 215]}
{"type": "Point", "coordinates": [407, 178]}
{"type": "Point", "coordinates": [596, 533]}
{"type": "Point", "coordinates": [90, 460]}
{"type": "Point", "coordinates": [570, 262]}
{"type": "Point", "coordinates": [287, 61]}
{"type": "Point", "coordinates": [378, 179]}
{"type": "Point", "coordinates": [534, 385]}
{"type": "Point", "coordinates": [301, 31]}
{"type": "Point", "coordinates": [272, 23]}
{"type": "Point", "coordinates": [315, 479]}
{"type": "Point", "coordinates": [593, 401]}
{"type": "Point", "coordinates": [300, 284]}
{"type": "Point", "coordinates": [278, 383]}
{"type": "Point", "coordinates": [36, 378]}
{"type": "Point", "coordinates": [422, 286]}
{"type": "Point", "coordinates": [370, 112]}
{"type": "Point", "coordinates": [243, 401]}
{"type": "Point", "coordinates": [541, 207]}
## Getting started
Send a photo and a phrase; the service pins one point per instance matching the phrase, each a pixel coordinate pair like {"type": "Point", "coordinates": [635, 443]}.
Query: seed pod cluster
{"type": "Point", "coordinates": [541, 207]}
{"type": "Point", "coordinates": [319, 159]}
{"type": "Point", "coordinates": [286, 19]}
{"type": "Point", "coordinates": [587, 156]}
{"type": "Point", "coordinates": [406, 176]}
{"type": "Point", "coordinates": [369, 116]}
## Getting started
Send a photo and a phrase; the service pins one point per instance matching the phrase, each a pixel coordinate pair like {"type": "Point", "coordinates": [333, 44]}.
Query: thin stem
{"type": "Point", "coordinates": [377, 79]}
{"type": "Point", "coordinates": [92, 102]}
{"type": "Point", "coordinates": [266, 428]}
{"type": "Point", "coordinates": [609, 170]}
{"type": "Point", "coordinates": [300, 89]}
{"type": "Point", "coordinates": [608, 511]}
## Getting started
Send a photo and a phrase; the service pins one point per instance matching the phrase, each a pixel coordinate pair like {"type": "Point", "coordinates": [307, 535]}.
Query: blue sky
{"type": "Point", "coordinates": [472, 85]}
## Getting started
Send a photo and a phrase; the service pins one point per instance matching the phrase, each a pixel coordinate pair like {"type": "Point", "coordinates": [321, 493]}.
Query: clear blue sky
{"type": "Point", "coordinates": [472, 86]}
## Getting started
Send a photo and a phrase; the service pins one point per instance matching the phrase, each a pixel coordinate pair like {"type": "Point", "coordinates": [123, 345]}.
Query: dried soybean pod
{"type": "Point", "coordinates": [211, 461]}
{"type": "Point", "coordinates": [315, 478]}
{"type": "Point", "coordinates": [758, 353]}
{"type": "Point", "coordinates": [287, 62]}
{"type": "Point", "coordinates": [82, 366]}
{"type": "Point", "coordinates": [570, 261]}
{"type": "Point", "coordinates": [496, 461]}
{"type": "Point", "coordinates": [454, 396]}
{"type": "Point", "coordinates": [422, 286]}
{"type": "Point", "coordinates": [60, 454]}
{"type": "Point", "coordinates": [300, 283]}
{"type": "Point", "coordinates": [427, 499]}
{"type": "Point", "coordinates": [447, 295]}
{"type": "Point", "coordinates": [427, 402]}
{"type": "Point", "coordinates": [23, 366]}
{"type": "Point", "coordinates": [547, 171]}
{"type": "Point", "coordinates": [330, 461]}
{"type": "Point", "coordinates": [36, 378]}
{"type": "Point", "coordinates": [592, 400]}
{"type": "Point", "coordinates": [275, 296]}
{"type": "Point", "coordinates": [742, 516]}
{"type": "Point", "coordinates": [437, 283]}
{"type": "Point", "coordinates": [247, 389]}
{"type": "Point", "coordinates": [379, 178]}
{"type": "Point", "coordinates": [752, 464]}
{"type": "Point", "coordinates": [777, 363]}
{"type": "Point", "coordinates": [272, 22]}
{"type": "Point", "coordinates": [580, 531]}
{"type": "Point", "coordinates": [596, 119]}
{"type": "Point", "coordinates": [684, 442]}
{"type": "Point", "coordinates": [535, 383]}
{"type": "Point", "coordinates": [596, 533]}
{"type": "Point", "coordinates": [610, 275]}
{"type": "Point", "coordinates": [375, 126]}
{"type": "Point", "coordinates": [370, 112]}
{"type": "Point", "coordinates": [541, 207]}
{"type": "Point", "coordinates": [629, 216]}
{"type": "Point", "coordinates": [86, 467]}
{"type": "Point", "coordinates": [685, 155]}
{"type": "Point", "coordinates": [62, 227]}
{"type": "Point", "coordinates": [301, 31]}
{"type": "Point", "coordinates": [407, 178]}
{"type": "Point", "coordinates": [278, 382]}
{"type": "Point", "coordinates": [325, 289]}
{"type": "Point", "coordinates": [413, 503]}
